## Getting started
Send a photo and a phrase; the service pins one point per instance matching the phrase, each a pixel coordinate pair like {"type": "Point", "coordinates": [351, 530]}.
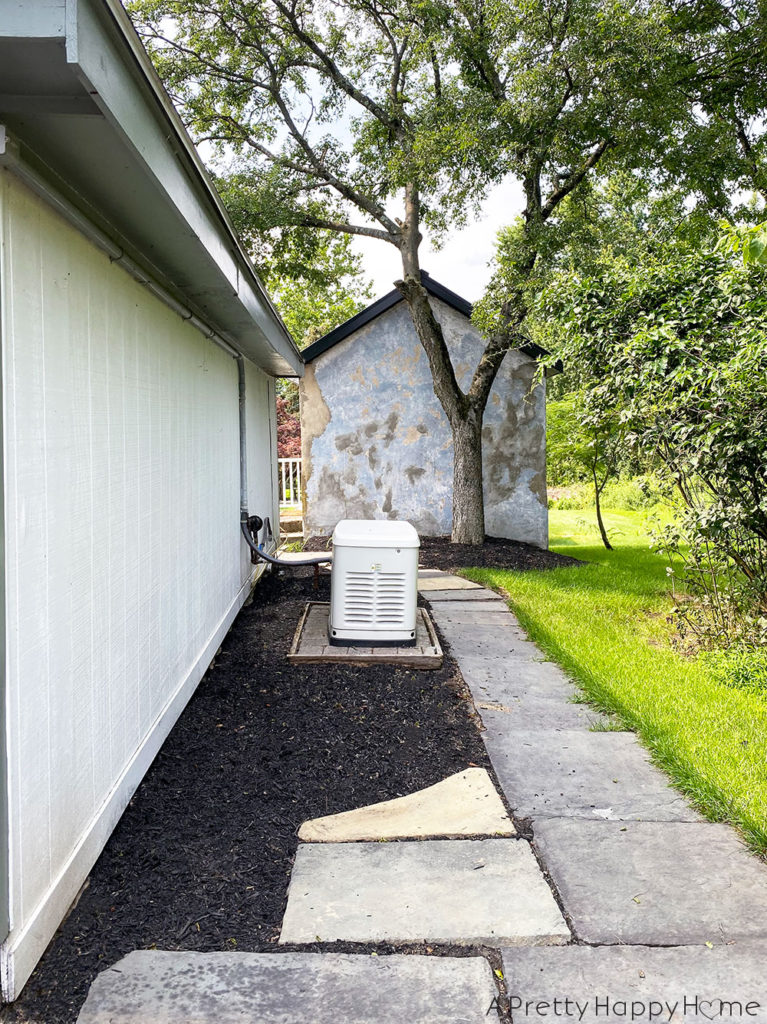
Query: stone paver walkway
{"type": "Point", "coordinates": [665, 914]}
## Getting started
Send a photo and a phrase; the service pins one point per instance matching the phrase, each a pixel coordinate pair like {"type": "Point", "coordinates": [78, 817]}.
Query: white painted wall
{"type": "Point", "coordinates": [124, 561]}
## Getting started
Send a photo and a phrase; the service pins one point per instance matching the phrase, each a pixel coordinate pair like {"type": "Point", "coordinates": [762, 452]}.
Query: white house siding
{"type": "Point", "coordinates": [376, 442]}
{"type": "Point", "coordinates": [124, 562]}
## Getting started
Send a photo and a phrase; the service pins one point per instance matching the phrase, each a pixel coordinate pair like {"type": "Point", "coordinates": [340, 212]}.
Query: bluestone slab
{"type": "Point", "coordinates": [426, 584]}
{"type": "Point", "coordinates": [531, 715]}
{"type": "Point", "coordinates": [465, 804]}
{"type": "Point", "coordinates": [494, 619]}
{"type": "Point", "coordinates": [489, 644]}
{"type": "Point", "coordinates": [491, 605]}
{"type": "Point", "coordinates": [511, 679]}
{"type": "Point", "coordinates": [654, 883]}
{"type": "Point", "coordinates": [580, 774]}
{"type": "Point", "coordinates": [481, 594]}
{"type": "Point", "coordinates": [453, 891]}
{"type": "Point", "coordinates": [149, 987]}
{"type": "Point", "coordinates": [684, 983]}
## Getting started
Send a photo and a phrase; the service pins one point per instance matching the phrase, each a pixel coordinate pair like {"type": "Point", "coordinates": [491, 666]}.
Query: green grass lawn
{"type": "Point", "coordinates": [606, 623]}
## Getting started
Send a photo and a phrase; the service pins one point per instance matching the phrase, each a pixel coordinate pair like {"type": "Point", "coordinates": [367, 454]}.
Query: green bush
{"type": "Point", "coordinates": [633, 493]}
{"type": "Point", "coordinates": [574, 496]}
{"type": "Point", "coordinates": [739, 667]}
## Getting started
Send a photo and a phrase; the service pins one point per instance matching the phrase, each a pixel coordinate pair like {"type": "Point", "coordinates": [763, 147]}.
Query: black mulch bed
{"type": "Point", "coordinates": [495, 553]}
{"type": "Point", "coordinates": [201, 858]}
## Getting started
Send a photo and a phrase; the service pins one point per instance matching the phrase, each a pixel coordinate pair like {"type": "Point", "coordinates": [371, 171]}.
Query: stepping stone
{"type": "Point", "coordinates": [690, 983]}
{"type": "Point", "coordinates": [654, 883]}
{"type": "Point", "coordinates": [531, 714]}
{"type": "Point", "coordinates": [489, 644]}
{"type": "Point", "coordinates": [483, 614]}
{"type": "Point", "coordinates": [515, 679]}
{"type": "Point", "coordinates": [148, 987]}
{"type": "Point", "coordinates": [446, 594]}
{"type": "Point", "coordinates": [580, 774]}
{"type": "Point", "coordinates": [466, 804]}
{"type": "Point", "coordinates": [463, 891]}
{"type": "Point", "coordinates": [445, 582]}
{"type": "Point", "coordinates": [471, 603]}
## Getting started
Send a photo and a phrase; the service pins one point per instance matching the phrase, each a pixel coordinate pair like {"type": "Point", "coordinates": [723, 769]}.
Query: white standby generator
{"type": "Point", "coordinates": [374, 583]}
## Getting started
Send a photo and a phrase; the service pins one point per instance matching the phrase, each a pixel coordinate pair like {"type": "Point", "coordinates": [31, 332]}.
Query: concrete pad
{"type": "Point", "coordinates": [684, 983]}
{"type": "Point", "coordinates": [148, 987]}
{"type": "Point", "coordinates": [581, 774]}
{"type": "Point", "coordinates": [311, 645]}
{"type": "Point", "coordinates": [427, 584]}
{"type": "Point", "coordinates": [654, 883]}
{"type": "Point", "coordinates": [463, 891]}
{"type": "Point", "coordinates": [466, 804]}
{"type": "Point", "coordinates": [532, 715]}
{"type": "Point", "coordinates": [445, 594]}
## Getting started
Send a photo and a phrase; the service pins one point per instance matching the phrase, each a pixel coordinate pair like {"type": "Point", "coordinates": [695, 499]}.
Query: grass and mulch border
{"type": "Point", "coordinates": [608, 624]}
{"type": "Point", "coordinates": [201, 858]}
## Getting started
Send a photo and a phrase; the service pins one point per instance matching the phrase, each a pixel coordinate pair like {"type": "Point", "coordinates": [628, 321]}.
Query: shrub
{"type": "Point", "coordinates": [677, 350]}
{"type": "Point", "coordinates": [739, 667]}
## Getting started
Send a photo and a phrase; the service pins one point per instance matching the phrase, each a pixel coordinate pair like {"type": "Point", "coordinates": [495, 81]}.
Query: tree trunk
{"type": "Point", "coordinates": [468, 501]}
{"type": "Point", "coordinates": [600, 523]}
{"type": "Point", "coordinates": [463, 413]}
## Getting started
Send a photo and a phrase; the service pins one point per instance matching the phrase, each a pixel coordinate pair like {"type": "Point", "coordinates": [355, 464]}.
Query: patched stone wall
{"type": "Point", "coordinates": [376, 443]}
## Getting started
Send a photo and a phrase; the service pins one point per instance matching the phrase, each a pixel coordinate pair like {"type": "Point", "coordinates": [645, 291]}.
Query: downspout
{"type": "Point", "coordinates": [243, 439]}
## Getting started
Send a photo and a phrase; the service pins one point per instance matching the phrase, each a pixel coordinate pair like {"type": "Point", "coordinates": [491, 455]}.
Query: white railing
{"type": "Point", "coordinates": [290, 483]}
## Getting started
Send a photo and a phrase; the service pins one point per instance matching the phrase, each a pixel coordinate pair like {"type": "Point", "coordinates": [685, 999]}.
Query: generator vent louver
{"type": "Point", "coordinates": [372, 598]}
{"type": "Point", "coordinates": [374, 583]}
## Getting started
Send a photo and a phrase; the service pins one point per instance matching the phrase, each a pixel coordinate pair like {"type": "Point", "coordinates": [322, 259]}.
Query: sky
{"type": "Point", "coordinates": [462, 264]}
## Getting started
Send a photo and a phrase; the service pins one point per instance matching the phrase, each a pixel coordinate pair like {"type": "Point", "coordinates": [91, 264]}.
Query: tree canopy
{"type": "Point", "coordinates": [371, 118]}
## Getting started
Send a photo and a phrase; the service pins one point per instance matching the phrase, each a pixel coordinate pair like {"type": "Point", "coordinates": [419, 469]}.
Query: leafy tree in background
{"type": "Point", "coordinates": [315, 277]}
{"type": "Point", "coordinates": [580, 446]}
{"type": "Point", "coordinates": [677, 349]}
{"type": "Point", "coordinates": [365, 118]}
{"type": "Point", "coordinates": [722, 73]}
{"type": "Point", "coordinates": [288, 431]}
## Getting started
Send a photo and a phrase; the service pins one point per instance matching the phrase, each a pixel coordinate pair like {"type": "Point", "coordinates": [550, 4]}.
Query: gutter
{"type": "Point", "coordinates": [10, 159]}
{"type": "Point", "coordinates": [149, 76]}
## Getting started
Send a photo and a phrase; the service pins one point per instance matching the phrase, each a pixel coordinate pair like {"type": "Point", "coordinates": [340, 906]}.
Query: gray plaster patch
{"type": "Point", "coordinates": [580, 774]}
{"type": "Point", "coordinates": [654, 883]}
{"type": "Point", "coordinates": [149, 987]}
{"type": "Point", "coordinates": [465, 804]}
{"type": "Point", "coordinates": [709, 980]}
{"type": "Point", "coordinates": [454, 891]}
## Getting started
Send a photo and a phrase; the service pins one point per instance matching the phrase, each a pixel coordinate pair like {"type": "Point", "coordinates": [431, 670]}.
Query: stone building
{"type": "Point", "coordinates": [377, 444]}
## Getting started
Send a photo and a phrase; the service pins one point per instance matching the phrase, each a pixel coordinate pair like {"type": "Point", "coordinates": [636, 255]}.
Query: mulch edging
{"type": "Point", "coordinates": [201, 858]}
